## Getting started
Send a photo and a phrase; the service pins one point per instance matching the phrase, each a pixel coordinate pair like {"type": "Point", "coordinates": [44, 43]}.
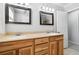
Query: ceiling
{"type": "Point", "coordinates": [63, 4]}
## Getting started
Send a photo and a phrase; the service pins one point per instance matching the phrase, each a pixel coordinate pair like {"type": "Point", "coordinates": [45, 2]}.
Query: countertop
{"type": "Point", "coordinates": [6, 38]}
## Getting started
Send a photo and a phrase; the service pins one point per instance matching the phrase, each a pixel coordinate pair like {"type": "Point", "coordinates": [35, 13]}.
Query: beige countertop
{"type": "Point", "coordinates": [6, 38]}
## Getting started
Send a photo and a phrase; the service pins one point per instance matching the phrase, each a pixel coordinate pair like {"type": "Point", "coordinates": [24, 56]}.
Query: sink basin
{"type": "Point", "coordinates": [19, 36]}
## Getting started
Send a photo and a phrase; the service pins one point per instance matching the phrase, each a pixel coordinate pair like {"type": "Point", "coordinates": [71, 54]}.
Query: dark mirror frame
{"type": "Point", "coordinates": [47, 14]}
{"type": "Point", "coordinates": [15, 6]}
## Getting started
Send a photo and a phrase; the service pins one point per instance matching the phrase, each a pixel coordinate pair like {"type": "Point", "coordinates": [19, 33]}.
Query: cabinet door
{"type": "Point", "coordinates": [42, 49]}
{"type": "Point", "coordinates": [60, 48]}
{"type": "Point", "coordinates": [53, 48]}
{"type": "Point", "coordinates": [26, 51]}
{"type": "Point", "coordinates": [12, 52]}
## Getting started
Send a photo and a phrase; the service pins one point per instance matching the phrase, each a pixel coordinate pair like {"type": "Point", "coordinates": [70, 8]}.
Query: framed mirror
{"type": "Point", "coordinates": [46, 18]}
{"type": "Point", "coordinates": [17, 14]}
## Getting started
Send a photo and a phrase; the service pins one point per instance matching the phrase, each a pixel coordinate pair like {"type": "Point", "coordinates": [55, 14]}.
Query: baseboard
{"type": "Point", "coordinates": [73, 42]}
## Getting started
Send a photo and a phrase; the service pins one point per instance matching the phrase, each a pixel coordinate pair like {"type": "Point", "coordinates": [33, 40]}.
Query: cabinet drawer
{"type": "Point", "coordinates": [41, 40]}
{"type": "Point", "coordinates": [14, 44]}
{"type": "Point", "coordinates": [41, 47]}
{"type": "Point", "coordinates": [60, 37]}
{"type": "Point", "coordinates": [53, 38]}
{"type": "Point", "coordinates": [43, 52]}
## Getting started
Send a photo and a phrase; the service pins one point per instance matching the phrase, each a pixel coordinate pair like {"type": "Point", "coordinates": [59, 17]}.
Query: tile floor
{"type": "Point", "coordinates": [72, 50]}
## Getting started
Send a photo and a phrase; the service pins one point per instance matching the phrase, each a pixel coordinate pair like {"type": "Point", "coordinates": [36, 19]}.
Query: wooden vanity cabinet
{"type": "Point", "coordinates": [42, 46]}
{"type": "Point", "coordinates": [51, 45]}
{"type": "Point", "coordinates": [53, 48]}
{"type": "Point", "coordinates": [60, 47]}
{"type": "Point", "coordinates": [12, 52]}
{"type": "Point", "coordinates": [19, 47]}
{"type": "Point", "coordinates": [42, 49]}
{"type": "Point", "coordinates": [26, 51]}
{"type": "Point", "coordinates": [43, 52]}
{"type": "Point", "coordinates": [56, 45]}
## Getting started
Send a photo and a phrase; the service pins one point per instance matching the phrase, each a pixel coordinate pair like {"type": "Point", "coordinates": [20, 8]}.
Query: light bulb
{"type": "Point", "coordinates": [46, 8]}
{"type": "Point", "coordinates": [43, 8]}
{"type": "Point", "coordinates": [53, 10]}
{"type": "Point", "coordinates": [50, 9]}
{"type": "Point", "coordinates": [26, 3]}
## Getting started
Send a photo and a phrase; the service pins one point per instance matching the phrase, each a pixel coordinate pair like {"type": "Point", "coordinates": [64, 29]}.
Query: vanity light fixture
{"type": "Point", "coordinates": [24, 4]}
{"type": "Point", "coordinates": [47, 9]}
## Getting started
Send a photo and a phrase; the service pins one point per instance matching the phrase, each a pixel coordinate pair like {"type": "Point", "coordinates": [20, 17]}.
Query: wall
{"type": "Point", "coordinates": [2, 19]}
{"type": "Point", "coordinates": [62, 26]}
{"type": "Point", "coordinates": [73, 27]}
{"type": "Point", "coordinates": [35, 21]}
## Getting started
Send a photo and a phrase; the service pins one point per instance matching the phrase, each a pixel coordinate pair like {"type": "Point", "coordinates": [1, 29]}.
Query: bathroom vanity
{"type": "Point", "coordinates": [32, 44]}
